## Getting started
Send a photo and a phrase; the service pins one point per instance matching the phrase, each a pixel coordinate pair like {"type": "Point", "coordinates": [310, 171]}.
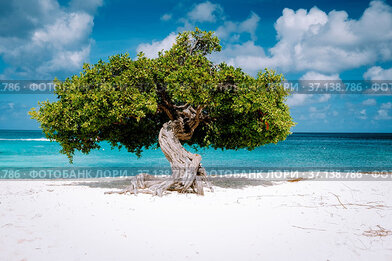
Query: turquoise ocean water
{"type": "Point", "coordinates": [23, 151]}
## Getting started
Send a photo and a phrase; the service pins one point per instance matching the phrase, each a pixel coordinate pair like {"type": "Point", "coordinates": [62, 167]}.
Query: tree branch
{"type": "Point", "coordinates": [187, 121]}
{"type": "Point", "coordinates": [167, 111]}
{"type": "Point", "coordinates": [181, 106]}
{"type": "Point", "coordinates": [194, 46]}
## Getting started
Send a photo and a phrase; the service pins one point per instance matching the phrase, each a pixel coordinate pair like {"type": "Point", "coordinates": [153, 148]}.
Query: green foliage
{"type": "Point", "coordinates": [118, 101]}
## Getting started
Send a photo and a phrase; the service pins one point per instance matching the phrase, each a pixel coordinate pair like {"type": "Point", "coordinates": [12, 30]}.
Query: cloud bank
{"type": "Point", "coordinates": [326, 43]}
{"type": "Point", "coordinates": [44, 38]}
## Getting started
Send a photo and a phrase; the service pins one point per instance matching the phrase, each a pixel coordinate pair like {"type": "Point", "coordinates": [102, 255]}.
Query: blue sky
{"type": "Point", "coordinates": [315, 40]}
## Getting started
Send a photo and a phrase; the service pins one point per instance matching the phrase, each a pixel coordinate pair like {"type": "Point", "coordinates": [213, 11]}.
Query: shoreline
{"type": "Point", "coordinates": [270, 176]}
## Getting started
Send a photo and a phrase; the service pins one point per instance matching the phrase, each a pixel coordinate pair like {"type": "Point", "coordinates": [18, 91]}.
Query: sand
{"type": "Point", "coordinates": [305, 220]}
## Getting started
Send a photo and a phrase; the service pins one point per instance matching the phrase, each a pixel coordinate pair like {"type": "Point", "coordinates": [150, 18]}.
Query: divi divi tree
{"type": "Point", "coordinates": [180, 97]}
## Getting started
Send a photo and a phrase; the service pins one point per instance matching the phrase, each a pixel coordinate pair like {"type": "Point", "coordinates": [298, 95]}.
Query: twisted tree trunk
{"type": "Point", "coordinates": [187, 172]}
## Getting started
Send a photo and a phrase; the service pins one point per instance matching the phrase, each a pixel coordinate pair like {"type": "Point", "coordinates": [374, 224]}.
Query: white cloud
{"type": "Point", "coordinates": [369, 102]}
{"type": "Point", "coordinates": [229, 28]}
{"type": "Point", "coordinates": [65, 31]}
{"type": "Point", "coordinates": [151, 49]}
{"type": "Point", "coordinates": [302, 99]}
{"type": "Point", "coordinates": [326, 43]}
{"type": "Point", "coordinates": [204, 12]}
{"type": "Point", "coordinates": [315, 76]}
{"type": "Point", "coordinates": [235, 54]}
{"type": "Point", "coordinates": [384, 112]}
{"type": "Point", "coordinates": [166, 17]}
{"type": "Point", "coordinates": [312, 41]}
{"type": "Point", "coordinates": [19, 18]}
{"type": "Point", "coordinates": [383, 115]}
{"type": "Point", "coordinates": [362, 115]}
{"type": "Point", "coordinates": [295, 25]}
{"type": "Point", "coordinates": [378, 73]}
{"type": "Point", "coordinates": [331, 43]}
{"type": "Point", "coordinates": [66, 60]}
{"type": "Point", "coordinates": [297, 99]}
{"type": "Point", "coordinates": [57, 44]}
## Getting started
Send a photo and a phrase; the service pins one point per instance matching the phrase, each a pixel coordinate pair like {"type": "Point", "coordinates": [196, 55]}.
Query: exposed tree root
{"type": "Point", "coordinates": [157, 185]}
{"type": "Point", "coordinates": [187, 173]}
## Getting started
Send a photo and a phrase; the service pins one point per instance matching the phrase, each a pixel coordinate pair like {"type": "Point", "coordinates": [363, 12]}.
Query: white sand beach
{"type": "Point", "coordinates": [306, 220]}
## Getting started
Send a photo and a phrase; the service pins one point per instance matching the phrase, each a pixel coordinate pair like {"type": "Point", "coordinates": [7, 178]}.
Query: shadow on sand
{"type": "Point", "coordinates": [223, 182]}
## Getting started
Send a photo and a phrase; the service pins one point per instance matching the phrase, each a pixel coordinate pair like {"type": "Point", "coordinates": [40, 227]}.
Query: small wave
{"type": "Point", "coordinates": [38, 139]}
